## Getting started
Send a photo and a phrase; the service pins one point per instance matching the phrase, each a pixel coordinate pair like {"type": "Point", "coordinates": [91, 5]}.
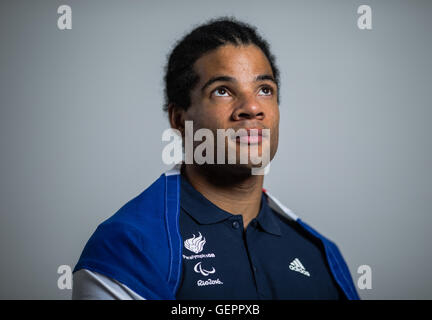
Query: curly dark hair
{"type": "Point", "coordinates": [180, 76]}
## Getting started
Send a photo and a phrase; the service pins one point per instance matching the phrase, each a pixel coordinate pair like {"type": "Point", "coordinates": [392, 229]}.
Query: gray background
{"type": "Point", "coordinates": [81, 125]}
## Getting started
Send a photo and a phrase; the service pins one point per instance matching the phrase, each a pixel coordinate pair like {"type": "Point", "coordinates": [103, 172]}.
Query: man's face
{"type": "Point", "coordinates": [236, 90]}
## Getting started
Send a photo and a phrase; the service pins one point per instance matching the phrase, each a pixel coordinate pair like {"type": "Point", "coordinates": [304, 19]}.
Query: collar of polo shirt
{"type": "Point", "coordinates": [206, 212]}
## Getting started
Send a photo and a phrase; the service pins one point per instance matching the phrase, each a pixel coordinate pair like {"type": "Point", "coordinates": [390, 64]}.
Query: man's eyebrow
{"type": "Point", "coordinates": [262, 77]}
{"type": "Point", "coordinates": [217, 78]}
{"type": "Point", "coordinates": [212, 80]}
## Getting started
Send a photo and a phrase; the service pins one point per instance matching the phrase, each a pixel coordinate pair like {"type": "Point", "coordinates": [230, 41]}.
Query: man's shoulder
{"type": "Point", "coordinates": [136, 229]}
{"type": "Point", "coordinates": [293, 231]}
{"type": "Point", "coordinates": [132, 245]}
{"type": "Point", "coordinates": [290, 221]}
{"type": "Point", "coordinates": [144, 209]}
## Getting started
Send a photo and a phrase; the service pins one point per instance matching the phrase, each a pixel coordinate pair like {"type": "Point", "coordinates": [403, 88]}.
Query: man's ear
{"type": "Point", "coordinates": [176, 117]}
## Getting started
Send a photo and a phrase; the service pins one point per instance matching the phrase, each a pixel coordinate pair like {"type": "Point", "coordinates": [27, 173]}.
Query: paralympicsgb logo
{"type": "Point", "coordinates": [195, 244]}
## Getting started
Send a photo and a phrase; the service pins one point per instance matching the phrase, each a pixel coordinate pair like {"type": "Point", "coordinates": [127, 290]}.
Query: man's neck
{"type": "Point", "coordinates": [236, 194]}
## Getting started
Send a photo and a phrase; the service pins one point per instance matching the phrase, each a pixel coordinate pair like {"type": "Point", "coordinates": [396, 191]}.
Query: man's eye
{"type": "Point", "coordinates": [221, 92]}
{"type": "Point", "coordinates": [266, 91]}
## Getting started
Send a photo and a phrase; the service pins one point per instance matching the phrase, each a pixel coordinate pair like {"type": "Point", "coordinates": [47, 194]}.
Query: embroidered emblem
{"type": "Point", "coordinates": [199, 269]}
{"type": "Point", "coordinates": [195, 244]}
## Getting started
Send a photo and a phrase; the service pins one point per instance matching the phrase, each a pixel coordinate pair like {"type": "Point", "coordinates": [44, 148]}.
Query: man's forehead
{"type": "Point", "coordinates": [233, 61]}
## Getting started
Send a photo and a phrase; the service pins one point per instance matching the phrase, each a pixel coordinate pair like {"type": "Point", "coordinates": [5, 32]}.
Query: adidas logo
{"type": "Point", "coordinates": [296, 265]}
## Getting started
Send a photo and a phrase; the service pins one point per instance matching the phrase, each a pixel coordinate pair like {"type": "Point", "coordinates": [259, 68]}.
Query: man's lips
{"type": "Point", "coordinates": [249, 135]}
{"type": "Point", "coordinates": [250, 139]}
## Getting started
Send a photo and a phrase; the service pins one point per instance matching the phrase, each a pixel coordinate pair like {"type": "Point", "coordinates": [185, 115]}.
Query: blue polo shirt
{"type": "Point", "coordinates": [272, 259]}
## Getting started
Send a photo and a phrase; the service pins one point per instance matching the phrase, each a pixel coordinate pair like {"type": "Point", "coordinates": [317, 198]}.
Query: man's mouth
{"type": "Point", "coordinates": [249, 135]}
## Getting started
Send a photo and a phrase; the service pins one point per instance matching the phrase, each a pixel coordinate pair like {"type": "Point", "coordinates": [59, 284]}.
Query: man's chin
{"type": "Point", "coordinates": [240, 169]}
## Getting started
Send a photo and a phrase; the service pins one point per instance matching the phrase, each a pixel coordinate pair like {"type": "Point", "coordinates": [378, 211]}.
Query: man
{"type": "Point", "coordinates": [209, 230]}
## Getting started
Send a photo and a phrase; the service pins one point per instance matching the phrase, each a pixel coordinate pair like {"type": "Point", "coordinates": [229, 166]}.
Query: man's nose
{"type": "Point", "coordinates": [248, 108]}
